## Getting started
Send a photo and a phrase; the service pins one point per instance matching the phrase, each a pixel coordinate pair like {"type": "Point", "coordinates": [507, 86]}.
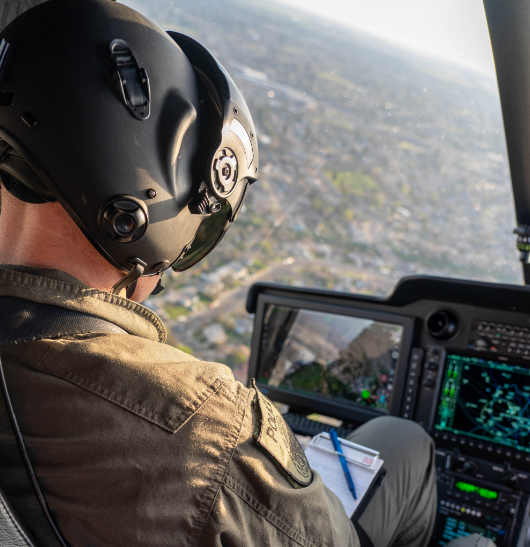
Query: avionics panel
{"type": "Point", "coordinates": [461, 372]}
{"type": "Point", "coordinates": [331, 359]}
{"type": "Point", "coordinates": [485, 399]}
{"type": "Point", "coordinates": [467, 505]}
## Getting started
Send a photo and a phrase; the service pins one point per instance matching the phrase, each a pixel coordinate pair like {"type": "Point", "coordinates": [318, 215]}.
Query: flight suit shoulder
{"type": "Point", "coordinates": [269, 495]}
{"type": "Point", "coordinates": [146, 434]}
{"type": "Point", "coordinates": [276, 438]}
{"type": "Point", "coordinates": [155, 381]}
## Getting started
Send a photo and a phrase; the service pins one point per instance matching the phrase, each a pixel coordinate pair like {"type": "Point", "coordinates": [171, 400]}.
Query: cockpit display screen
{"type": "Point", "coordinates": [487, 400]}
{"type": "Point", "coordinates": [327, 355]}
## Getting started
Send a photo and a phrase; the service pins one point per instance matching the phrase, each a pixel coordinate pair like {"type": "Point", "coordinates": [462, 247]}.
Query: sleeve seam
{"type": "Point", "coordinates": [15, 524]}
{"type": "Point", "coordinates": [210, 499]}
{"type": "Point", "coordinates": [266, 513]}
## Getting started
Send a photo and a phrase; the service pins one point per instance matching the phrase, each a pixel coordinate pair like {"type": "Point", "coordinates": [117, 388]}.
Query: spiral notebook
{"type": "Point", "coordinates": [364, 464]}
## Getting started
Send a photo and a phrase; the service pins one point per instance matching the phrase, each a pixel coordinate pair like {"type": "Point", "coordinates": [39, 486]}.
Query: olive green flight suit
{"type": "Point", "coordinates": [136, 443]}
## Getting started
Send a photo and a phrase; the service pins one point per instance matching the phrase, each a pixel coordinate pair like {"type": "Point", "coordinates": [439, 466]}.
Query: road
{"type": "Point", "coordinates": [233, 301]}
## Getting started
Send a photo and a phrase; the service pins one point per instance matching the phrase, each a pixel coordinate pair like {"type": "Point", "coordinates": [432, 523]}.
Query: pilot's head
{"type": "Point", "coordinates": [140, 135]}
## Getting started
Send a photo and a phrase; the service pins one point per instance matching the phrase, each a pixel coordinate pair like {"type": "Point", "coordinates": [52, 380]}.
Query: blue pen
{"type": "Point", "coordinates": [343, 462]}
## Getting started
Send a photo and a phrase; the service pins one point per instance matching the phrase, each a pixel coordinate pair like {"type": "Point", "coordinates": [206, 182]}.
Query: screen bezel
{"type": "Point", "coordinates": [324, 406]}
{"type": "Point", "coordinates": [481, 355]}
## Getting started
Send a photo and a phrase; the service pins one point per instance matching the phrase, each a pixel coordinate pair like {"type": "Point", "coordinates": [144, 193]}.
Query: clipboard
{"type": "Point", "coordinates": [364, 464]}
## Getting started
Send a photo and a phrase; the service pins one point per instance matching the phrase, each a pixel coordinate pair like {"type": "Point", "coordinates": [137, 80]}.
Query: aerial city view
{"type": "Point", "coordinates": [375, 163]}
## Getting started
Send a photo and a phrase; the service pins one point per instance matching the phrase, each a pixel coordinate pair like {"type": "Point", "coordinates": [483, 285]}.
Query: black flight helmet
{"type": "Point", "coordinates": [141, 135]}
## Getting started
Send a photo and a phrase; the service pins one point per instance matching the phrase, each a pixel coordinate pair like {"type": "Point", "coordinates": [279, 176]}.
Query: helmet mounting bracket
{"type": "Point", "coordinates": [130, 80]}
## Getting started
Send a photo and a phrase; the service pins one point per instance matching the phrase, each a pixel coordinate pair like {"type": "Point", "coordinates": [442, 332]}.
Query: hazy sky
{"type": "Point", "coordinates": [453, 29]}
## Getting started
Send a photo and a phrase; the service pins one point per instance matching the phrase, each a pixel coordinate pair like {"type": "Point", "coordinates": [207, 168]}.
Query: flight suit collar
{"type": "Point", "coordinates": [61, 289]}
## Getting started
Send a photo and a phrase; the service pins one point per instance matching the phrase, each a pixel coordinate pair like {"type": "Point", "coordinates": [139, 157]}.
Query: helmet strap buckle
{"type": "Point", "coordinates": [133, 276]}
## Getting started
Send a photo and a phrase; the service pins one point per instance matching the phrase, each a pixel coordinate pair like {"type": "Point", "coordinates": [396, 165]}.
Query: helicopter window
{"type": "Point", "coordinates": [378, 158]}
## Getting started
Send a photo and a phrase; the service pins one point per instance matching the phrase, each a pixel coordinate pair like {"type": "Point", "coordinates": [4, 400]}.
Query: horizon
{"type": "Point", "coordinates": [463, 40]}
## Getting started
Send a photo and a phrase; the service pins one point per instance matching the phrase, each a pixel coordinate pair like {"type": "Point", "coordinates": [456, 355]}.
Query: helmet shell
{"type": "Point", "coordinates": [86, 146]}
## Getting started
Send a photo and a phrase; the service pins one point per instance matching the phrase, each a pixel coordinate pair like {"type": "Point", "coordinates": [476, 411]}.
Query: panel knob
{"type": "Point", "coordinates": [442, 324]}
{"type": "Point", "coordinates": [469, 467]}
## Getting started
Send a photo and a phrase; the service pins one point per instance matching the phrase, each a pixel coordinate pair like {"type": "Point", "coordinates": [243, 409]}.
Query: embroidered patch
{"type": "Point", "coordinates": [276, 437]}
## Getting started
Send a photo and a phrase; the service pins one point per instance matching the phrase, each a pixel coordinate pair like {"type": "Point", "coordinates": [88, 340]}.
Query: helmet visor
{"type": "Point", "coordinates": [210, 232]}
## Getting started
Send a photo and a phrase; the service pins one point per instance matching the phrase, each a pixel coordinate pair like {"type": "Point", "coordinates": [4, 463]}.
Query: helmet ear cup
{"type": "Point", "coordinates": [124, 219]}
{"type": "Point", "coordinates": [19, 190]}
{"type": "Point", "coordinates": [19, 178]}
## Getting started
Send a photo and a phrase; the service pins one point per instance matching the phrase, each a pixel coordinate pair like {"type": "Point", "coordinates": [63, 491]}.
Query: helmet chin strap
{"type": "Point", "coordinates": [130, 289]}
{"type": "Point", "coordinates": [131, 278]}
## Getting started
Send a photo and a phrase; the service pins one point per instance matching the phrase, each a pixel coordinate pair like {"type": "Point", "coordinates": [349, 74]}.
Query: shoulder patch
{"type": "Point", "coordinates": [276, 437]}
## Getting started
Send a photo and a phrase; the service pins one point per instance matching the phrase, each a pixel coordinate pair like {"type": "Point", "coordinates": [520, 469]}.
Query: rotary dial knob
{"type": "Point", "coordinates": [225, 171]}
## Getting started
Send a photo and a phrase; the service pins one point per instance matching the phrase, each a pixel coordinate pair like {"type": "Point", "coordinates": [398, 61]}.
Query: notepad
{"type": "Point", "coordinates": [365, 465]}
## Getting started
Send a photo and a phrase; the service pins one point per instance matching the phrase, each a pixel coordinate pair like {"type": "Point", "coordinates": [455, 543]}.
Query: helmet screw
{"type": "Point", "coordinates": [151, 193]}
{"type": "Point", "coordinates": [215, 207]}
{"type": "Point", "coordinates": [235, 110]}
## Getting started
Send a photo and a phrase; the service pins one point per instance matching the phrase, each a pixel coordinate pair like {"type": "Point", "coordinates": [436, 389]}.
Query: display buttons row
{"type": "Point", "coordinates": [461, 508]}
{"type": "Point", "coordinates": [411, 386]}
{"type": "Point", "coordinates": [507, 330]}
{"type": "Point", "coordinates": [489, 449]}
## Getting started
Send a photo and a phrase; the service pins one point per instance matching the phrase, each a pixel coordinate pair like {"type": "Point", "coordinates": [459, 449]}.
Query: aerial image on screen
{"type": "Point", "coordinates": [487, 400]}
{"type": "Point", "coordinates": [328, 355]}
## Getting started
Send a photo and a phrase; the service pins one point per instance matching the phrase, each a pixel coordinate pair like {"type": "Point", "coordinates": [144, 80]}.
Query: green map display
{"type": "Point", "coordinates": [487, 400]}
